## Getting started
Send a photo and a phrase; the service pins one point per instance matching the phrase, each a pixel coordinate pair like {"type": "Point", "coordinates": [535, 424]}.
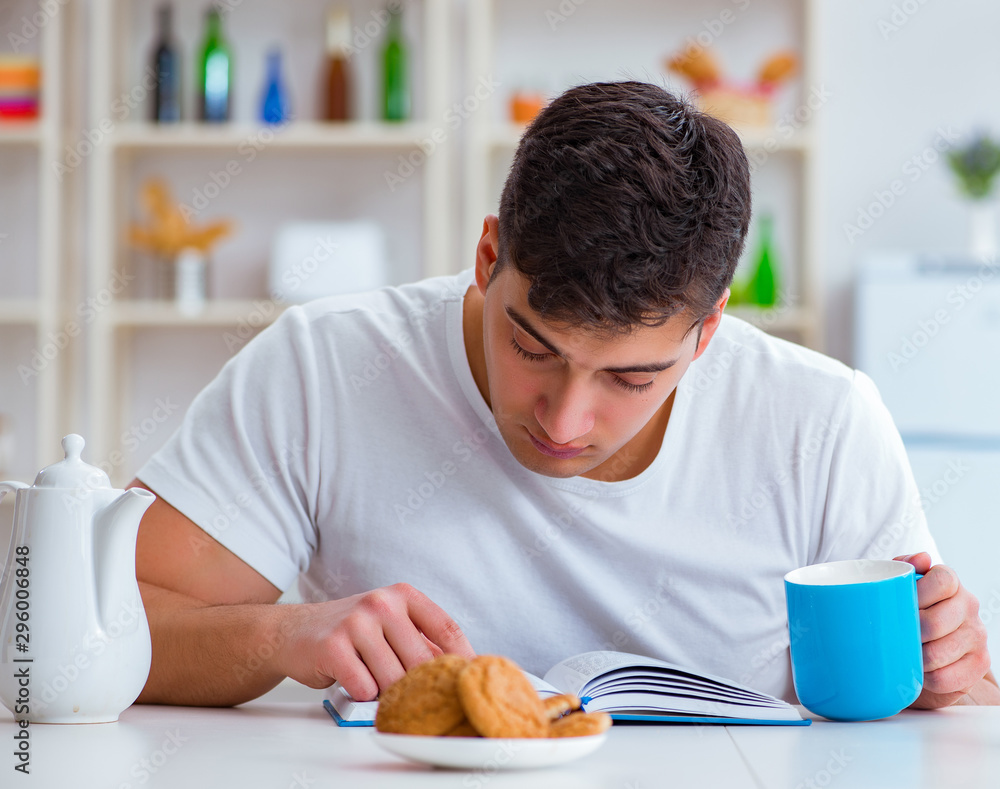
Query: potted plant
{"type": "Point", "coordinates": [976, 165]}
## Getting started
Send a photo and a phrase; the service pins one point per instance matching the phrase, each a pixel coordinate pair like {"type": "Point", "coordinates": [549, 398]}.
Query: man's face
{"type": "Point", "coordinates": [568, 402]}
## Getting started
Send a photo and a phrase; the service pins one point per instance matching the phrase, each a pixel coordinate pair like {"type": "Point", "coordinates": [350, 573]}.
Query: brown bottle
{"type": "Point", "coordinates": [338, 73]}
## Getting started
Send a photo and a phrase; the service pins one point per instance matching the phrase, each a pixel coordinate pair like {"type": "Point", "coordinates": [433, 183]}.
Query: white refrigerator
{"type": "Point", "coordinates": [927, 330]}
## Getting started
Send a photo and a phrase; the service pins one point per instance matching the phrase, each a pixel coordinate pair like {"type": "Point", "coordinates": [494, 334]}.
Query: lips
{"type": "Point", "coordinates": [547, 449]}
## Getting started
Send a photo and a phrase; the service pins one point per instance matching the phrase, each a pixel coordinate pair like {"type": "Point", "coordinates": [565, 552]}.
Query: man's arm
{"type": "Point", "coordinates": [219, 639]}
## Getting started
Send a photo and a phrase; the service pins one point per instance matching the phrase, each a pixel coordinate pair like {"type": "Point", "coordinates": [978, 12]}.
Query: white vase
{"type": "Point", "coordinates": [982, 230]}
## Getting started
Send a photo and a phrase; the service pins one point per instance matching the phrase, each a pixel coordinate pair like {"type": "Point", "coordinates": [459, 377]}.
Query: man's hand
{"type": "Point", "coordinates": [367, 641]}
{"type": "Point", "coordinates": [954, 638]}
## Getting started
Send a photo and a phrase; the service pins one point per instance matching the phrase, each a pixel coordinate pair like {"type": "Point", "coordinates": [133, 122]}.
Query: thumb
{"type": "Point", "coordinates": [921, 561]}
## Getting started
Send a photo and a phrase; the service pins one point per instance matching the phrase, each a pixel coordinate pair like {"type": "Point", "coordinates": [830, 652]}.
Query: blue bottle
{"type": "Point", "coordinates": [275, 108]}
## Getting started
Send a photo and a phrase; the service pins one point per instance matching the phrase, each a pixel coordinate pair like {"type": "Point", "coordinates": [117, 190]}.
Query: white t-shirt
{"type": "Point", "coordinates": [349, 443]}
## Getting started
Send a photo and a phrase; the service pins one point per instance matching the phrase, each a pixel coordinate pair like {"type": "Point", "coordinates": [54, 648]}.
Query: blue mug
{"type": "Point", "coordinates": [854, 633]}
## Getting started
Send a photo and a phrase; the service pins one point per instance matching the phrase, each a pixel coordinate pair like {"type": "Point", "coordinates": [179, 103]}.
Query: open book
{"type": "Point", "coordinates": [630, 688]}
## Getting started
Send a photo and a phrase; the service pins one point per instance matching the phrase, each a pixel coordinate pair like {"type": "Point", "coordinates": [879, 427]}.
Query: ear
{"type": "Point", "coordinates": [710, 324]}
{"type": "Point", "coordinates": [486, 252]}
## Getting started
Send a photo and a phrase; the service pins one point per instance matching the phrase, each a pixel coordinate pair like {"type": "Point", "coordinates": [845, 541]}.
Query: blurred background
{"type": "Point", "coordinates": [174, 175]}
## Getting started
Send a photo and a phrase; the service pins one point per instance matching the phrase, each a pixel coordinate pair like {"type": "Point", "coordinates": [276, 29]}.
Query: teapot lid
{"type": "Point", "coordinates": [72, 472]}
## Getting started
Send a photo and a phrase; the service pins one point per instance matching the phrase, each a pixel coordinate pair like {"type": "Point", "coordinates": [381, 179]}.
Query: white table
{"type": "Point", "coordinates": [296, 745]}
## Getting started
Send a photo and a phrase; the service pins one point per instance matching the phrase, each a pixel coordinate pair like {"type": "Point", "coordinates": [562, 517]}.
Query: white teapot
{"type": "Point", "coordinates": [74, 640]}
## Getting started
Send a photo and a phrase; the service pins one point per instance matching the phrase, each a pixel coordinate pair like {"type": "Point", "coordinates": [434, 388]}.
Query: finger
{"type": "Point", "coordinates": [939, 583]}
{"type": "Point", "coordinates": [949, 649]}
{"type": "Point", "coordinates": [940, 620]}
{"type": "Point", "coordinates": [959, 676]}
{"type": "Point", "coordinates": [379, 657]}
{"type": "Point", "coordinates": [921, 561]}
{"type": "Point", "coordinates": [434, 648]}
{"type": "Point", "coordinates": [350, 670]}
{"type": "Point", "coordinates": [437, 626]}
{"type": "Point", "coordinates": [408, 642]}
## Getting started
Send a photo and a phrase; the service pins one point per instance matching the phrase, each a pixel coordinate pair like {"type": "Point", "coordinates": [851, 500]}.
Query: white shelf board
{"type": "Point", "coordinates": [508, 136]}
{"type": "Point", "coordinates": [299, 134]}
{"type": "Point", "coordinates": [20, 133]}
{"type": "Point", "coordinates": [776, 319]}
{"type": "Point", "coordinates": [18, 311]}
{"type": "Point", "coordinates": [153, 313]}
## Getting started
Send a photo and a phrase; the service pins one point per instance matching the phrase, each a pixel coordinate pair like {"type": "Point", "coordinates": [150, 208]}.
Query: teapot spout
{"type": "Point", "coordinates": [116, 528]}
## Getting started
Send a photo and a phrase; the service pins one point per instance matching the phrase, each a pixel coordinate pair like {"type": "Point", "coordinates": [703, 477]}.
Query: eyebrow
{"type": "Point", "coordinates": [651, 367]}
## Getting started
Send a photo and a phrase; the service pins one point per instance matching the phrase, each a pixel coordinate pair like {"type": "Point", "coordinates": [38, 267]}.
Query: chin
{"type": "Point", "coordinates": [529, 457]}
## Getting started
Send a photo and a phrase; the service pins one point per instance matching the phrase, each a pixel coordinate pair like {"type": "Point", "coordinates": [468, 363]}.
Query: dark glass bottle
{"type": "Point", "coordinates": [166, 107]}
{"type": "Point", "coordinates": [396, 88]}
{"type": "Point", "coordinates": [338, 73]}
{"type": "Point", "coordinates": [215, 72]}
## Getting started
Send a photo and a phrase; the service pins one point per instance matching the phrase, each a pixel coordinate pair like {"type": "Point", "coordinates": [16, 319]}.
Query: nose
{"type": "Point", "coordinates": [565, 414]}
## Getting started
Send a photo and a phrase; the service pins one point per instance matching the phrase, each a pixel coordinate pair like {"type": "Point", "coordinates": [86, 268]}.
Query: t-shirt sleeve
{"type": "Point", "coordinates": [873, 508]}
{"type": "Point", "coordinates": [244, 463]}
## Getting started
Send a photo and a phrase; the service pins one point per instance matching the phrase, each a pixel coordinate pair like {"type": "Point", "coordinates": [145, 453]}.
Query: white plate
{"type": "Point", "coordinates": [483, 753]}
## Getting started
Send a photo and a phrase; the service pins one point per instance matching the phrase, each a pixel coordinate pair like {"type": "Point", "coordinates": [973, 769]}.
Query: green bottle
{"type": "Point", "coordinates": [396, 89]}
{"type": "Point", "coordinates": [762, 289]}
{"type": "Point", "coordinates": [215, 72]}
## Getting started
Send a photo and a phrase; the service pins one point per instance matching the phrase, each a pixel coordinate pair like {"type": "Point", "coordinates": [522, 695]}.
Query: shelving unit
{"type": "Point", "coordinates": [32, 399]}
{"type": "Point", "coordinates": [363, 149]}
{"type": "Point", "coordinates": [492, 139]}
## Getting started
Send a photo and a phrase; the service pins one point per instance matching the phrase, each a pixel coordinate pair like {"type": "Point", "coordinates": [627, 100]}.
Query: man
{"type": "Point", "coordinates": [568, 449]}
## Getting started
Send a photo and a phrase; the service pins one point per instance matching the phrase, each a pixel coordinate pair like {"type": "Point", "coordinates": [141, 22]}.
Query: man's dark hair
{"type": "Point", "coordinates": [624, 206]}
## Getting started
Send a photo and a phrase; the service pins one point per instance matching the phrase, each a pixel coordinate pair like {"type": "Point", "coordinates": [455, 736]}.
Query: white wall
{"type": "Point", "coordinates": [891, 90]}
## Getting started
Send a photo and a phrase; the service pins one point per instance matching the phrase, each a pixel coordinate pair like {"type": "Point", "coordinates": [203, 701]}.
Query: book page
{"type": "Point", "coordinates": [587, 674]}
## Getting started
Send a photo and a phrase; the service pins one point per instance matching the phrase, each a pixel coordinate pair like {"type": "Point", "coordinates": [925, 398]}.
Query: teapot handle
{"type": "Point", "coordinates": [11, 487]}
{"type": "Point", "coordinates": [5, 488]}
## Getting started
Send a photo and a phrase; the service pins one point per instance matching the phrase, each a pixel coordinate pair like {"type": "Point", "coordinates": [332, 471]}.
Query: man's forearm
{"type": "Point", "coordinates": [209, 655]}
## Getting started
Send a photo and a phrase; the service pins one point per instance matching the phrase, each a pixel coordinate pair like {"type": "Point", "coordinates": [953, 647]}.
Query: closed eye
{"type": "Point", "coordinates": [632, 387]}
{"type": "Point", "coordinates": [621, 383]}
{"type": "Point", "coordinates": [531, 357]}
